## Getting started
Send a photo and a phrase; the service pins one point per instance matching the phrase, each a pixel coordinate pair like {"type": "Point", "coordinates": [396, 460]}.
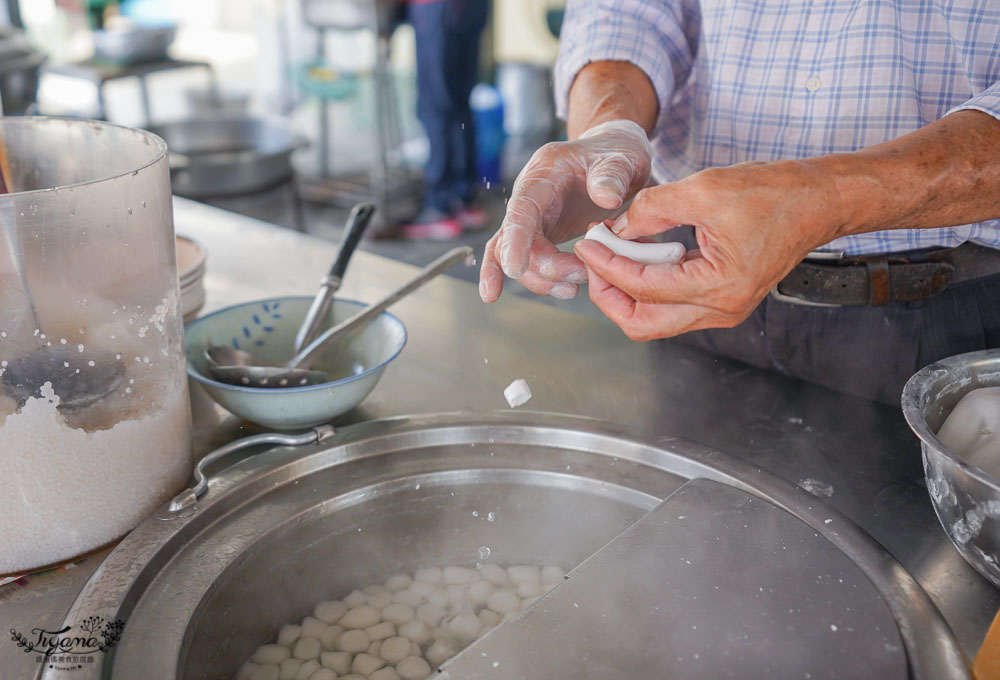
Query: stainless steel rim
{"type": "Point", "coordinates": [117, 584]}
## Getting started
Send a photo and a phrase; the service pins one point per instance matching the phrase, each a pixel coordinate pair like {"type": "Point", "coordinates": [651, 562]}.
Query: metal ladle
{"type": "Point", "coordinates": [354, 229]}
{"type": "Point", "coordinates": [238, 367]}
{"type": "Point", "coordinates": [357, 222]}
{"type": "Point", "coordinates": [80, 379]}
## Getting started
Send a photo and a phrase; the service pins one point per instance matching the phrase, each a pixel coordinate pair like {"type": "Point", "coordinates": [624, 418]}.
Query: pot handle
{"type": "Point", "coordinates": [187, 498]}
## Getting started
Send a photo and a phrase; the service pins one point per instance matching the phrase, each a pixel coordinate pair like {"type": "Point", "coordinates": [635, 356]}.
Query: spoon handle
{"type": "Point", "coordinates": [357, 222]}
{"type": "Point", "coordinates": [304, 358]}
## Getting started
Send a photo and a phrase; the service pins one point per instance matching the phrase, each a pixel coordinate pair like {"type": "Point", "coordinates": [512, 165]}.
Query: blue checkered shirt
{"type": "Point", "coordinates": [744, 80]}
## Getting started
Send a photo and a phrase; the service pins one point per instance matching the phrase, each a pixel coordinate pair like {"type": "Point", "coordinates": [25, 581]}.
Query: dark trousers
{"type": "Point", "coordinates": [447, 37]}
{"type": "Point", "coordinates": [867, 351]}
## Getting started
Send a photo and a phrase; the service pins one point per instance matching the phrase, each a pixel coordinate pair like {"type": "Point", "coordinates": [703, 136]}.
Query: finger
{"type": "Point", "coordinates": [535, 198]}
{"type": "Point", "coordinates": [540, 286]}
{"type": "Point", "coordinates": [642, 322]}
{"type": "Point", "coordinates": [490, 273]}
{"type": "Point", "coordinates": [652, 211]}
{"type": "Point", "coordinates": [610, 178]}
{"type": "Point", "coordinates": [613, 302]}
{"type": "Point", "coordinates": [611, 222]}
{"type": "Point", "coordinates": [683, 283]}
{"type": "Point", "coordinates": [548, 266]}
{"type": "Point", "coordinates": [554, 265]}
{"type": "Point", "coordinates": [602, 261]}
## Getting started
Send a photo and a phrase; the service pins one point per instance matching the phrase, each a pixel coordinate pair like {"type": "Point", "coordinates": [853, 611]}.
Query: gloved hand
{"type": "Point", "coordinates": [754, 222]}
{"type": "Point", "coordinates": [564, 188]}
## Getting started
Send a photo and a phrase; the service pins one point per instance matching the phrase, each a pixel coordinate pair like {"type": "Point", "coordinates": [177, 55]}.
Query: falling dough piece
{"type": "Point", "coordinates": [517, 393]}
{"type": "Point", "coordinates": [646, 253]}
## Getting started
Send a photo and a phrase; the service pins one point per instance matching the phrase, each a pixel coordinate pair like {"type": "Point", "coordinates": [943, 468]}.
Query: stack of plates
{"type": "Point", "coordinates": [191, 272]}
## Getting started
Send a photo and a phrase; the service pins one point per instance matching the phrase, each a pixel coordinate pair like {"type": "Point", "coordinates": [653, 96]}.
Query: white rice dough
{"type": "Point", "coordinates": [645, 253]}
{"type": "Point", "coordinates": [402, 630]}
{"type": "Point", "coordinates": [972, 429]}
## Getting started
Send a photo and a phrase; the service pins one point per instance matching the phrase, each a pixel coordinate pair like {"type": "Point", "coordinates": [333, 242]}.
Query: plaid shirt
{"type": "Point", "coordinates": [742, 80]}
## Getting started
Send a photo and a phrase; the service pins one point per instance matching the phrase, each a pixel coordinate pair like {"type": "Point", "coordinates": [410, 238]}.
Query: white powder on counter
{"type": "Point", "coordinates": [67, 491]}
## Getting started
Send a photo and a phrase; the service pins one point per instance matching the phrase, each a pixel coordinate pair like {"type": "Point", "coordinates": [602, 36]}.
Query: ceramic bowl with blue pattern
{"type": "Point", "coordinates": [267, 329]}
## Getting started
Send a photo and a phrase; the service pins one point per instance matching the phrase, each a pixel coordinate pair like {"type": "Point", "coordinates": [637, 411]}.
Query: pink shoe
{"type": "Point", "coordinates": [472, 217]}
{"type": "Point", "coordinates": [432, 225]}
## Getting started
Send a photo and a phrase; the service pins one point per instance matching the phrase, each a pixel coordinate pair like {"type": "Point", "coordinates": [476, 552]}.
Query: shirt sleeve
{"type": "Point", "coordinates": [987, 101]}
{"type": "Point", "coordinates": [649, 34]}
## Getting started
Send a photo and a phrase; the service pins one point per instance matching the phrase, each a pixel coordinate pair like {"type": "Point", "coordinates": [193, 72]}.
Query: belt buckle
{"type": "Point", "coordinates": [781, 297]}
{"type": "Point", "coordinates": [825, 255]}
{"type": "Point", "coordinates": [820, 255]}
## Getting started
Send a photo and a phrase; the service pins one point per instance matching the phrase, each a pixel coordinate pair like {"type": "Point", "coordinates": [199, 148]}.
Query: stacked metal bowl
{"type": "Point", "coordinates": [191, 258]}
{"type": "Point", "coordinates": [126, 43]}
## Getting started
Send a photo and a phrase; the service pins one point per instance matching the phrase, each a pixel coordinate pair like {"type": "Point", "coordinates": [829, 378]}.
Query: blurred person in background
{"type": "Point", "coordinates": [448, 37]}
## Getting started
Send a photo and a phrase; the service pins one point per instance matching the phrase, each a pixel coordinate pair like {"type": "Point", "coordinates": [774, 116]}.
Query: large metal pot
{"type": "Point", "coordinates": [378, 15]}
{"type": "Point", "coordinates": [227, 156]}
{"type": "Point", "coordinates": [200, 588]}
{"type": "Point", "coordinates": [966, 499]}
{"type": "Point", "coordinates": [133, 44]}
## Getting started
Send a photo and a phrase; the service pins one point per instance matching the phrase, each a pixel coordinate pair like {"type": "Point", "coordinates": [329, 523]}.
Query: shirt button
{"type": "Point", "coordinates": [813, 83]}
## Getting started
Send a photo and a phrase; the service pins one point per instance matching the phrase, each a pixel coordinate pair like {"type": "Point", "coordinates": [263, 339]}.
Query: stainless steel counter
{"type": "Point", "coordinates": [857, 456]}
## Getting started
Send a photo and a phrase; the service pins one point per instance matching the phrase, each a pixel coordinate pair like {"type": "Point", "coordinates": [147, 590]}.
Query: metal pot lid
{"type": "Point", "coordinates": [713, 583]}
{"type": "Point", "coordinates": [778, 582]}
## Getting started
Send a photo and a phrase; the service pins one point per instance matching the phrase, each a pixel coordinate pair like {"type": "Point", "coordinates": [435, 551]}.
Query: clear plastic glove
{"type": "Point", "coordinates": [753, 222]}
{"type": "Point", "coordinates": [564, 188]}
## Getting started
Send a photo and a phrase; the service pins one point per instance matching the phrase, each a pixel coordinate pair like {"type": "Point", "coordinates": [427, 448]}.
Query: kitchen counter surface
{"type": "Point", "coordinates": [857, 456]}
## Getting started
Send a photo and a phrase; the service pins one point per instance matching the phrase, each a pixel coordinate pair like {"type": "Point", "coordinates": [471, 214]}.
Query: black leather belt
{"type": "Point", "coordinates": [877, 280]}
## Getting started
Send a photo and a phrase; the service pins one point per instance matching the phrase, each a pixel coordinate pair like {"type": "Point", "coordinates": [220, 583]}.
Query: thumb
{"type": "Point", "coordinates": [651, 212]}
{"type": "Point", "coordinates": [610, 179]}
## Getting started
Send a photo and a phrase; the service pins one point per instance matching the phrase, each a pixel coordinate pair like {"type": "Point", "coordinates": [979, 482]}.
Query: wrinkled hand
{"type": "Point", "coordinates": [565, 187]}
{"type": "Point", "coordinates": [754, 222]}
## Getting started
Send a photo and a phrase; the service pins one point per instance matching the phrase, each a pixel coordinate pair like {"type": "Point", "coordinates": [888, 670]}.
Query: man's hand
{"type": "Point", "coordinates": [564, 187]}
{"type": "Point", "coordinates": [754, 222]}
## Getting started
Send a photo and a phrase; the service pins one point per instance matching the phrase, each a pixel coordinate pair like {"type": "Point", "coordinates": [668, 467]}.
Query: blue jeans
{"type": "Point", "coordinates": [447, 36]}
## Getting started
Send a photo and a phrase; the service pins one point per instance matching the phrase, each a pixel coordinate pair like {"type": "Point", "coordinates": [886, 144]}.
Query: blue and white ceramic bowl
{"type": "Point", "coordinates": [267, 329]}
